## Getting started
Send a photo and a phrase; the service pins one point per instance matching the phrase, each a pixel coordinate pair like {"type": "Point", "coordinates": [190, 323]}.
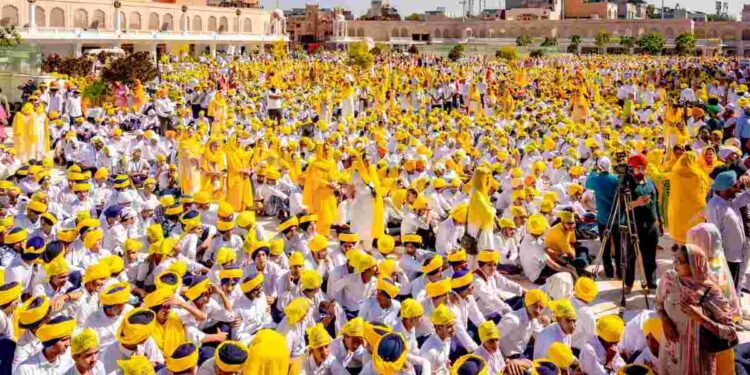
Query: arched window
{"type": "Point", "coordinates": [212, 23]}
{"type": "Point", "coordinates": [153, 21]}
{"type": "Point", "coordinates": [168, 23]}
{"type": "Point", "coordinates": [135, 21]}
{"type": "Point", "coordinates": [9, 15]}
{"type": "Point", "coordinates": [41, 18]}
{"type": "Point", "coordinates": [394, 33]}
{"type": "Point", "coordinates": [437, 34]}
{"type": "Point", "coordinates": [80, 19]}
{"type": "Point", "coordinates": [123, 21]}
{"type": "Point", "coordinates": [98, 20]}
{"type": "Point", "coordinates": [404, 33]}
{"type": "Point", "coordinates": [197, 24]}
{"type": "Point", "coordinates": [56, 17]}
{"type": "Point", "coordinates": [247, 25]}
{"type": "Point", "coordinates": [223, 24]}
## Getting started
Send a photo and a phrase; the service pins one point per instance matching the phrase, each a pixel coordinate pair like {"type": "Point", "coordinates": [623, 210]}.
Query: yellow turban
{"type": "Point", "coordinates": [57, 328]}
{"type": "Point", "coordinates": [472, 361]}
{"type": "Point", "coordinates": [114, 263]}
{"type": "Point", "coordinates": [518, 211]}
{"type": "Point", "coordinates": [610, 328]}
{"type": "Point", "coordinates": [197, 289]}
{"type": "Point", "coordinates": [560, 354]}
{"type": "Point", "coordinates": [293, 222]}
{"type": "Point", "coordinates": [533, 296]}
{"type": "Point", "coordinates": [461, 281]}
{"type": "Point", "coordinates": [155, 233]}
{"type": "Point", "coordinates": [349, 237]}
{"type": "Point", "coordinates": [92, 237]}
{"type": "Point", "coordinates": [158, 297]}
{"type": "Point", "coordinates": [317, 336]}
{"type": "Point", "coordinates": [410, 308]}
{"type": "Point", "coordinates": [442, 316]}
{"type": "Point", "coordinates": [33, 311]}
{"type": "Point", "coordinates": [251, 283]}
{"type": "Point", "coordinates": [586, 289]}
{"type": "Point", "coordinates": [230, 273]}
{"type": "Point", "coordinates": [317, 243]}
{"type": "Point", "coordinates": [234, 350]}
{"type": "Point", "coordinates": [57, 267]}
{"type": "Point", "coordinates": [386, 244]}
{"type": "Point", "coordinates": [364, 262]}
{"type": "Point", "coordinates": [433, 265]}
{"type": "Point", "coordinates": [489, 256]}
{"type": "Point", "coordinates": [355, 327]}
{"type": "Point", "coordinates": [537, 224]}
{"type": "Point", "coordinates": [66, 235]}
{"type": "Point", "coordinates": [296, 259]}
{"type": "Point", "coordinates": [388, 286]}
{"type": "Point", "coordinates": [184, 358]}
{"type": "Point", "coordinates": [566, 217]}
{"type": "Point", "coordinates": [654, 327]}
{"type": "Point", "coordinates": [411, 238]}
{"type": "Point", "coordinates": [374, 331]}
{"type": "Point", "coordinates": [310, 280]}
{"type": "Point", "coordinates": [438, 288]}
{"type": "Point", "coordinates": [276, 247]}
{"type": "Point", "coordinates": [397, 346]}
{"type": "Point", "coordinates": [136, 327]}
{"type": "Point", "coordinates": [115, 294]}
{"type": "Point", "coordinates": [488, 331]}
{"type": "Point", "coordinates": [10, 292]}
{"type": "Point", "coordinates": [563, 309]}
{"type": "Point", "coordinates": [84, 341]}
{"type": "Point", "coordinates": [296, 310]}
{"type": "Point", "coordinates": [268, 354]}
{"type": "Point", "coordinates": [96, 272]}
{"type": "Point", "coordinates": [136, 365]}
{"type": "Point", "coordinates": [225, 255]}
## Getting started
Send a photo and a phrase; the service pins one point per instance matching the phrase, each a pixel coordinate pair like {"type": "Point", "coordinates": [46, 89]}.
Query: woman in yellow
{"type": "Point", "coordinates": [239, 186]}
{"type": "Point", "coordinates": [139, 96]}
{"type": "Point", "coordinates": [579, 107]}
{"type": "Point", "coordinates": [188, 163]}
{"type": "Point", "coordinates": [214, 170]}
{"type": "Point", "coordinates": [268, 354]}
{"type": "Point", "coordinates": [481, 211]}
{"type": "Point", "coordinates": [24, 134]}
{"type": "Point", "coordinates": [708, 160]}
{"type": "Point", "coordinates": [41, 129]}
{"type": "Point", "coordinates": [217, 110]}
{"type": "Point", "coordinates": [688, 186]}
{"type": "Point", "coordinates": [318, 195]}
{"type": "Point", "coordinates": [368, 202]}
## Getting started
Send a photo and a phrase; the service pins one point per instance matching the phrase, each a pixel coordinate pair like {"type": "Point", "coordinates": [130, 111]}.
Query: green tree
{"type": "Point", "coordinates": [651, 43]}
{"type": "Point", "coordinates": [413, 49]}
{"type": "Point", "coordinates": [650, 11]}
{"type": "Point", "coordinates": [549, 42]}
{"type": "Point", "coordinates": [575, 40]}
{"type": "Point", "coordinates": [601, 41]}
{"type": "Point", "coordinates": [279, 50]}
{"type": "Point", "coordinates": [628, 42]}
{"type": "Point", "coordinates": [9, 36]}
{"type": "Point", "coordinates": [359, 55]}
{"type": "Point", "coordinates": [523, 41]}
{"type": "Point", "coordinates": [685, 44]}
{"type": "Point", "coordinates": [456, 52]}
{"type": "Point", "coordinates": [414, 17]}
{"type": "Point", "coordinates": [507, 53]}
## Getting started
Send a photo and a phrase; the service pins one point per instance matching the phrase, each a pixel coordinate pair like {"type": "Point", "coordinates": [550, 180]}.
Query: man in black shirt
{"type": "Point", "coordinates": [648, 223]}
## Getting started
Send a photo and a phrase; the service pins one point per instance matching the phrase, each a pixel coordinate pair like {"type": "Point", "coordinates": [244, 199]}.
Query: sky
{"type": "Point", "coordinates": [406, 7]}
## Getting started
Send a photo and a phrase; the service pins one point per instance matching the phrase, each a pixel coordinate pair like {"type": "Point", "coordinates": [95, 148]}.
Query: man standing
{"type": "Point", "coordinates": [644, 203]}
{"type": "Point", "coordinates": [604, 185]}
{"type": "Point", "coordinates": [723, 210]}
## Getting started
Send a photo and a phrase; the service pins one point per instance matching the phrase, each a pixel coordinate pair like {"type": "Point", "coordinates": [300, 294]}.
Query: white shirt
{"type": "Point", "coordinates": [253, 314]}
{"type": "Point", "coordinates": [272, 103]}
{"type": "Point", "coordinates": [113, 352]}
{"type": "Point", "coordinates": [633, 338]}
{"type": "Point", "coordinates": [330, 366]}
{"type": "Point", "coordinates": [437, 352]}
{"type": "Point", "coordinates": [517, 329]}
{"type": "Point", "coordinates": [295, 337]}
{"type": "Point", "coordinates": [533, 256]}
{"type": "Point", "coordinates": [39, 365]}
{"type": "Point", "coordinates": [585, 325]}
{"type": "Point", "coordinates": [371, 311]}
{"type": "Point", "coordinates": [466, 309]}
{"type": "Point", "coordinates": [447, 236]}
{"type": "Point", "coordinates": [592, 359]}
{"type": "Point", "coordinates": [348, 359]}
{"type": "Point", "coordinates": [354, 291]}
{"type": "Point", "coordinates": [28, 345]}
{"type": "Point", "coordinates": [545, 338]}
{"type": "Point", "coordinates": [488, 293]}
{"type": "Point", "coordinates": [495, 361]}
{"type": "Point", "coordinates": [105, 326]}
{"type": "Point", "coordinates": [97, 370]}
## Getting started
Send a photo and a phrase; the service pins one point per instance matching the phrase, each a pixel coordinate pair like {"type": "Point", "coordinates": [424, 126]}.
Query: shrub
{"type": "Point", "coordinates": [507, 53]}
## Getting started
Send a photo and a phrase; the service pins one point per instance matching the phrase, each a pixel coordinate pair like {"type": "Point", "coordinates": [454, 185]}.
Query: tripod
{"type": "Point", "coordinates": [628, 235]}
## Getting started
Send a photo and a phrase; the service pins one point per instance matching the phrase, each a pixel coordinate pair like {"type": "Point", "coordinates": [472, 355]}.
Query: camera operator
{"type": "Point", "coordinates": [604, 185]}
{"type": "Point", "coordinates": [723, 210]}
{"type": "Point", "coordinates": [648, 222]}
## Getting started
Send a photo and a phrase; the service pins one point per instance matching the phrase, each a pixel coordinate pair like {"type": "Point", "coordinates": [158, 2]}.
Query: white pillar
{"type": "Point", "coordinates": [77, 49]}
{"type": "Point", "coordinates": [118, 27]}
{"type": "Point", "coordinates": [213, 50]}
{"type": "Point", "coordinates": [32, 15]}
{"type": "Point", "coordinates": [184, 22]}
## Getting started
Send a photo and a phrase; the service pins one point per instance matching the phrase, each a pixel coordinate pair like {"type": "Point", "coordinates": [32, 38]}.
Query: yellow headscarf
{"type": "Point", "coordinates": [481, 211]}
{"type": "Point", "coordinates": [268, 354]}
{"type": "Point", "coordinates": [687, 196]}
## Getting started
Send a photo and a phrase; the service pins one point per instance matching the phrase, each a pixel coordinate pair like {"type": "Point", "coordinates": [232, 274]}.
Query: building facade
{"type": "Point", "coordinates": [69, 27]}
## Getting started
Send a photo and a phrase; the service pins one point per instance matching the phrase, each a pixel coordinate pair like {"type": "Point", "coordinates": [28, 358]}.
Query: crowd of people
{"type": "Point", "coordinates": [258, 215]}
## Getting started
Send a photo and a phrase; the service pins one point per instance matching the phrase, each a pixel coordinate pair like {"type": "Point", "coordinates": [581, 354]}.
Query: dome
{"type": "Point", "coordinates": [278, 13]}
{"type": "Point", "coordinates": [340, 17]}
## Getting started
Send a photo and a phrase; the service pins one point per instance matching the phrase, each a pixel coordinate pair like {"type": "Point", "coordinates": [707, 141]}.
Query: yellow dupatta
{"type": "Point", "coordinates": [481, 211]}
{"type": "Point", "coordinates": [170, 334]}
